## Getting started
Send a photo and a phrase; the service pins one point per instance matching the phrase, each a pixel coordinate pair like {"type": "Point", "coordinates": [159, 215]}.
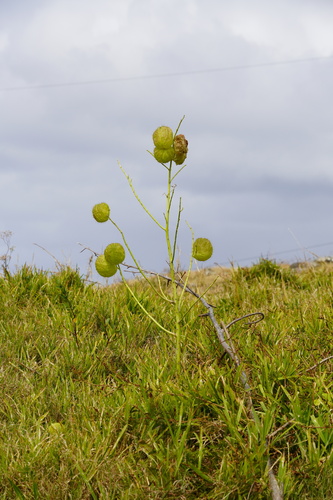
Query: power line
{"type": "Point", "coordinates": [278, 253]}
{"type": "Point", "coordinates": [165, 75]}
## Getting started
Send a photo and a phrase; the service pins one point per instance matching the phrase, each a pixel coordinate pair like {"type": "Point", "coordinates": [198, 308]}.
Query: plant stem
{"type": "Point", "coordinates": [142, 307]}
{"type": "Point", "coordinates": [143, 274]}
{"type": "Point", "coordinates": [129, 180]}
{"type": "Point", "coordinates": [171, 259]}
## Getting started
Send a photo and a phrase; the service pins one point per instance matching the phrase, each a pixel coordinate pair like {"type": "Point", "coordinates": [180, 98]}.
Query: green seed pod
{"type": "Point", "coordinates": [114, 254]}
{"type": "Point", "coordinates": [181, 147]}
{"type": "Point", "coordinates": [164, 155]}
{"type": "Point", "coordinates": [104, 268]}
{"type": "Point", "coordinates": [163, 137]}
{"type": "Point", "coordinates": [202, 249]}
{"type": "Point", "coordinates": [101, 212]}
{"type": "Point", "coordinates": [56, 428]}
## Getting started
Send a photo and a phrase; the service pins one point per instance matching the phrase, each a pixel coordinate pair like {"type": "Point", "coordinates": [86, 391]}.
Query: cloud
{"type": "Point", "coordinates": [260, 138]}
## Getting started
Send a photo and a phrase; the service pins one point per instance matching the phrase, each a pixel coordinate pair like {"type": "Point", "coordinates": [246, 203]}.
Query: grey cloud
{"type": "Point", "coordinates": [260, 139]}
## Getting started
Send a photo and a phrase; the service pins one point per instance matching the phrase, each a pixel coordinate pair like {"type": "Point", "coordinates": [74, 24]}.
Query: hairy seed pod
{"type": "Point", "coordinates": [101, 212]}
{"type": "Point", "coordinates": [180, 145]}
{"type": "Point", "coordinates": [163, 137]}
{"type": "Point", "coordinates": [114, 254]}
{"type": "Point", "coordinates": [202, 249]}
{"type": "Point", "coordinates": [104, 268]}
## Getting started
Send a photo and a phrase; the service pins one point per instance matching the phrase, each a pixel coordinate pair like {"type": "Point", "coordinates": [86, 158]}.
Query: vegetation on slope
{"type": "Point", "coordinates": [132, 425]}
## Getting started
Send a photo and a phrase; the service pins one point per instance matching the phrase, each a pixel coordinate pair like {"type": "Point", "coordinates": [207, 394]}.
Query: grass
{"type": "Point", "coordinates": [133, 425]}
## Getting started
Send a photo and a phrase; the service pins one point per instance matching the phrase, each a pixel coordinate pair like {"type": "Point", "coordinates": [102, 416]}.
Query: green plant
{"type": "Point", "coordinates": [170, 151]}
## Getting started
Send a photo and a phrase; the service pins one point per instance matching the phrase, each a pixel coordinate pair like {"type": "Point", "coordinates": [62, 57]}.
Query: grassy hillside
{"type": "Point", "coordinates": [129, 425]}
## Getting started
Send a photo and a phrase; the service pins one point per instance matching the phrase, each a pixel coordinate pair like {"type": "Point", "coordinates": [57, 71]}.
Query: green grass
{"type": "Point", "coordinates": [134, 426]}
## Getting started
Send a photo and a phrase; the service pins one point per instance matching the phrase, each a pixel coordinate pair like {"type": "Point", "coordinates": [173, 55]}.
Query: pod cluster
{"type": "Point", "coordinates": [169, 147]}
{"type": "Point", "coordinates": [114, 254]}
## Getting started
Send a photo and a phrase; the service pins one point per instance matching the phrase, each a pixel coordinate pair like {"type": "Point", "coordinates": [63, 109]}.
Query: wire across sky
{"type": "Point", "coordinates": [167, 75]}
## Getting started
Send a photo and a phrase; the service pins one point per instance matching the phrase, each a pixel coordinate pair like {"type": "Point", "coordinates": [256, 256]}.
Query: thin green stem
{"type": "Point", "coordinates": [171, 256]}
{"type": "Point", "coordinates": [178, 172]}
{"type": "Point", "coordinates": [130, 182]}
{"type": "Point", "coordinates": [143, 274]}
{"type": "Point", "coordinates": [179, 125]}
{"type": "Point", "coordinates": [189, 267]}
{"type": "Point", "coordinates": [141, 306]}
{"type": "Point", "coordinates": [176, 230]}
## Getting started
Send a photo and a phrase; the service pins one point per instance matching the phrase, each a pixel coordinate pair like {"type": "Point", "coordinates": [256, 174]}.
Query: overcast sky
{"type": "Point", "coordinates": [84, 84]}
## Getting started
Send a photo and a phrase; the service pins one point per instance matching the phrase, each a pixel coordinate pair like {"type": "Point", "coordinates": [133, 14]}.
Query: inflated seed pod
{"type": "Point", "coordinates": [114, 253]}
{"type": "Point", "coordinates": [180, 145]}
{"type": "Point", "coordinates": [163, 137]}
{"type": "Point", "coordinates": [56, 428]}
{"type": "Point", "coordinates": [104, 268]}
{"type": "Point", "coordinates": [164, 155]}
{"type": "Point", "coordinates": [202, 249]}
{"type": "Point", "coordinates": [101, 212]}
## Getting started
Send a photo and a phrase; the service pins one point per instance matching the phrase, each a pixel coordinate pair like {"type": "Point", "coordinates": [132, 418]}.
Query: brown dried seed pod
{"type": "Point", "coordinates": [180, 145]}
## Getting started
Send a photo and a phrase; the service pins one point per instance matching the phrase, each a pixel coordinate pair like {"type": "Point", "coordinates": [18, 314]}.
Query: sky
{"type": "Point", "coordinates": [84, 84]}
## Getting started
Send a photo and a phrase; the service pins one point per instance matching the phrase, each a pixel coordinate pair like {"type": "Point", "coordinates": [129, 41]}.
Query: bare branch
{"type": "Point", "coordinates": [262, 316]}
{"type": "Point", "coordinates": [320, 363]}
{"type": "Point", "coordinates": [60, 266]}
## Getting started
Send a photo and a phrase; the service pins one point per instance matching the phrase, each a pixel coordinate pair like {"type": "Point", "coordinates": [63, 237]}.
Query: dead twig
{"type": "Point", "coordinates": [320, 363]}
